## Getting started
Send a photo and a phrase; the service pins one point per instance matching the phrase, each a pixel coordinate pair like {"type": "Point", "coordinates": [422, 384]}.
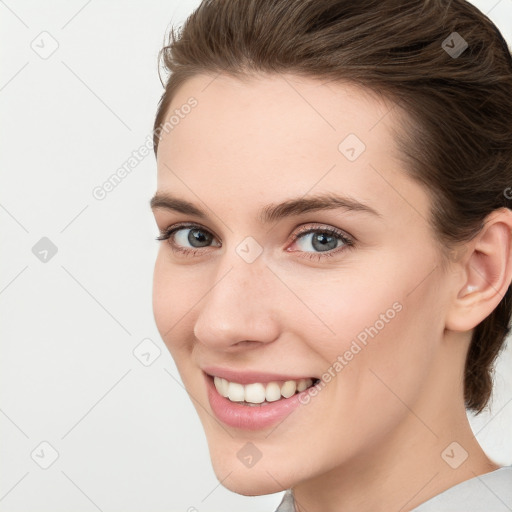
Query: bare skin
{"type": "Point", "coordinates": [379, 434]}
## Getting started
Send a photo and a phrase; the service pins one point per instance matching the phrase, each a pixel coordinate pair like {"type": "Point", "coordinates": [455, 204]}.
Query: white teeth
{"type": "Point", "coordinates": [257, 393]}
{"type": "Point", "coordinates": [221, 386]}
{"type": "Point", "coordinates": [288, 388]}
{"type": "Point", "coordinates": [272, 392]}
{"type": "Point", "coordinates": [224, 388]}
{"type": "Point", "coordinates": [236, 392]}
{"type": "Point", "coordinates": [303, 384]}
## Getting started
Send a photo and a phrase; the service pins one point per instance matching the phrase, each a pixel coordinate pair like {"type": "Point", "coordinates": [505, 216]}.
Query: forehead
{"type": "Point", "coordinates": [274, 136]}
{"type": "Point", "coordinates": [273, 116]}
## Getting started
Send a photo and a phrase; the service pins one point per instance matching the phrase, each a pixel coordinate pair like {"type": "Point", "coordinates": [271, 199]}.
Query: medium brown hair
{"type": "Point", "coordinates": [458, 138]}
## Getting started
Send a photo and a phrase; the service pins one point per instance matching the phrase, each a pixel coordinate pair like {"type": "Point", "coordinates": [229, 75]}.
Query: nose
{"type": "Point", "coordinates": [240, 310]}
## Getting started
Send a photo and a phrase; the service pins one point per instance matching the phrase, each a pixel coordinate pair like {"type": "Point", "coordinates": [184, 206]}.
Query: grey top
{"type": "Point", "coordinates": [491, 492]}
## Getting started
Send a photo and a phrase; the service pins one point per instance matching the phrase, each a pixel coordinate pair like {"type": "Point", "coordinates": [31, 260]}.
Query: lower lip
{"type": "Point", "coordinates": [250, 417]}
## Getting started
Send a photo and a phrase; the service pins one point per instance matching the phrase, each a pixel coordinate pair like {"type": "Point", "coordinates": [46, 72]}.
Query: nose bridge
{"type": "Point", "coordinates": [238, 305]}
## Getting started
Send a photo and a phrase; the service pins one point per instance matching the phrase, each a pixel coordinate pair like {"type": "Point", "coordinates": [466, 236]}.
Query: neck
{"type": "Point", "coordinates": [432, 450]}
{"type": "Point", "coordinates": [399, 475]}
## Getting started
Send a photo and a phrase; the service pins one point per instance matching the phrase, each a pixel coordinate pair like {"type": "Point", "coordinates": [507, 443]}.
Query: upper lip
{"type": "Point", "coordinates": [249, 377]}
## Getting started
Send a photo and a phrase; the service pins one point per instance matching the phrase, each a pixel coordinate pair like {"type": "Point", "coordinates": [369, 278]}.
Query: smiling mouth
{"type": "Point", "coordinates": [259, 393]}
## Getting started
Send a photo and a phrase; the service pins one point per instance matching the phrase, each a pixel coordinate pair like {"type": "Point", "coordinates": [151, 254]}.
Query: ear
{"type": "Point", "coordinates": [486, 273]}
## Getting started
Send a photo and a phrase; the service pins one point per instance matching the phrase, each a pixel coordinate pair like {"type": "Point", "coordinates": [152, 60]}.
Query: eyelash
{"type": "Point", "coordinates": [347, 241]}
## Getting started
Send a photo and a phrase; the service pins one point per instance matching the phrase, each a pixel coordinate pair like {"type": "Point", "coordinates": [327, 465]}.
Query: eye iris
{"type": "Point", "coordinates": [196, 235]}
{"type": "Point", "coordinates": [323, 240]}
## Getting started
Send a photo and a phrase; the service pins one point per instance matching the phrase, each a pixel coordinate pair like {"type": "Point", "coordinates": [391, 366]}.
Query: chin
{"type": "Point", "coordinates": [269, 475]}
{"type": "Point", "coordinates": [249, 482]}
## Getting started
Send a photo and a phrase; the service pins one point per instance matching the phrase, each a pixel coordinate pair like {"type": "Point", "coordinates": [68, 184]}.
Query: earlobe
{"type": "Point", "coordinates": [486, 271]}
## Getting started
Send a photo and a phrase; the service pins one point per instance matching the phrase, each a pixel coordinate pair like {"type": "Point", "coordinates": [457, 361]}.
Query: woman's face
{"type": "Point", "coordinates": [351, 295]}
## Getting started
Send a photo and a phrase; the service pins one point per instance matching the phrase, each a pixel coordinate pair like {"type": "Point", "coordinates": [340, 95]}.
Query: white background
{"type": "Point", "coordinates": [127, 435]}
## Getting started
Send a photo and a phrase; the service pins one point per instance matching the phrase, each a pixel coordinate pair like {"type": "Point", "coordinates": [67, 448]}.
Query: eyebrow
{"type": "Point", "coordinates": [271, 212]}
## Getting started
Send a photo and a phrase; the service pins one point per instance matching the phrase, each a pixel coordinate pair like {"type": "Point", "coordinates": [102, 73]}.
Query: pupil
{"type": "Point", "coordinates": [196, 235]}
{"type": "Point", "coordinates": [323, 240]}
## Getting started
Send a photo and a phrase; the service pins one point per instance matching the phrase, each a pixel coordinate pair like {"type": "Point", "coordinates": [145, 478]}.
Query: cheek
{"type": "Point", "coordinates": [344, 307]}
{"type": "Point", "coordinates": [382, 324]}
{"type": "Point", "coordinates": [163, 296]}
{"type": "Point", "coordinates": [391, 302]}
{"type": "Point", "coordinates": [173, 299]}
{"type": "Point", "coordinates": [388, 344]}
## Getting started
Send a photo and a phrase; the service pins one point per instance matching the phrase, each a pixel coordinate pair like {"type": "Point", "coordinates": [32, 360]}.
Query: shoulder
{"type": "Point", "coordinates": [286, 504]}
{"type": "Point", "coordinates": [484, 493]}
{"type": "Point", "coordinates": [489, 492]}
